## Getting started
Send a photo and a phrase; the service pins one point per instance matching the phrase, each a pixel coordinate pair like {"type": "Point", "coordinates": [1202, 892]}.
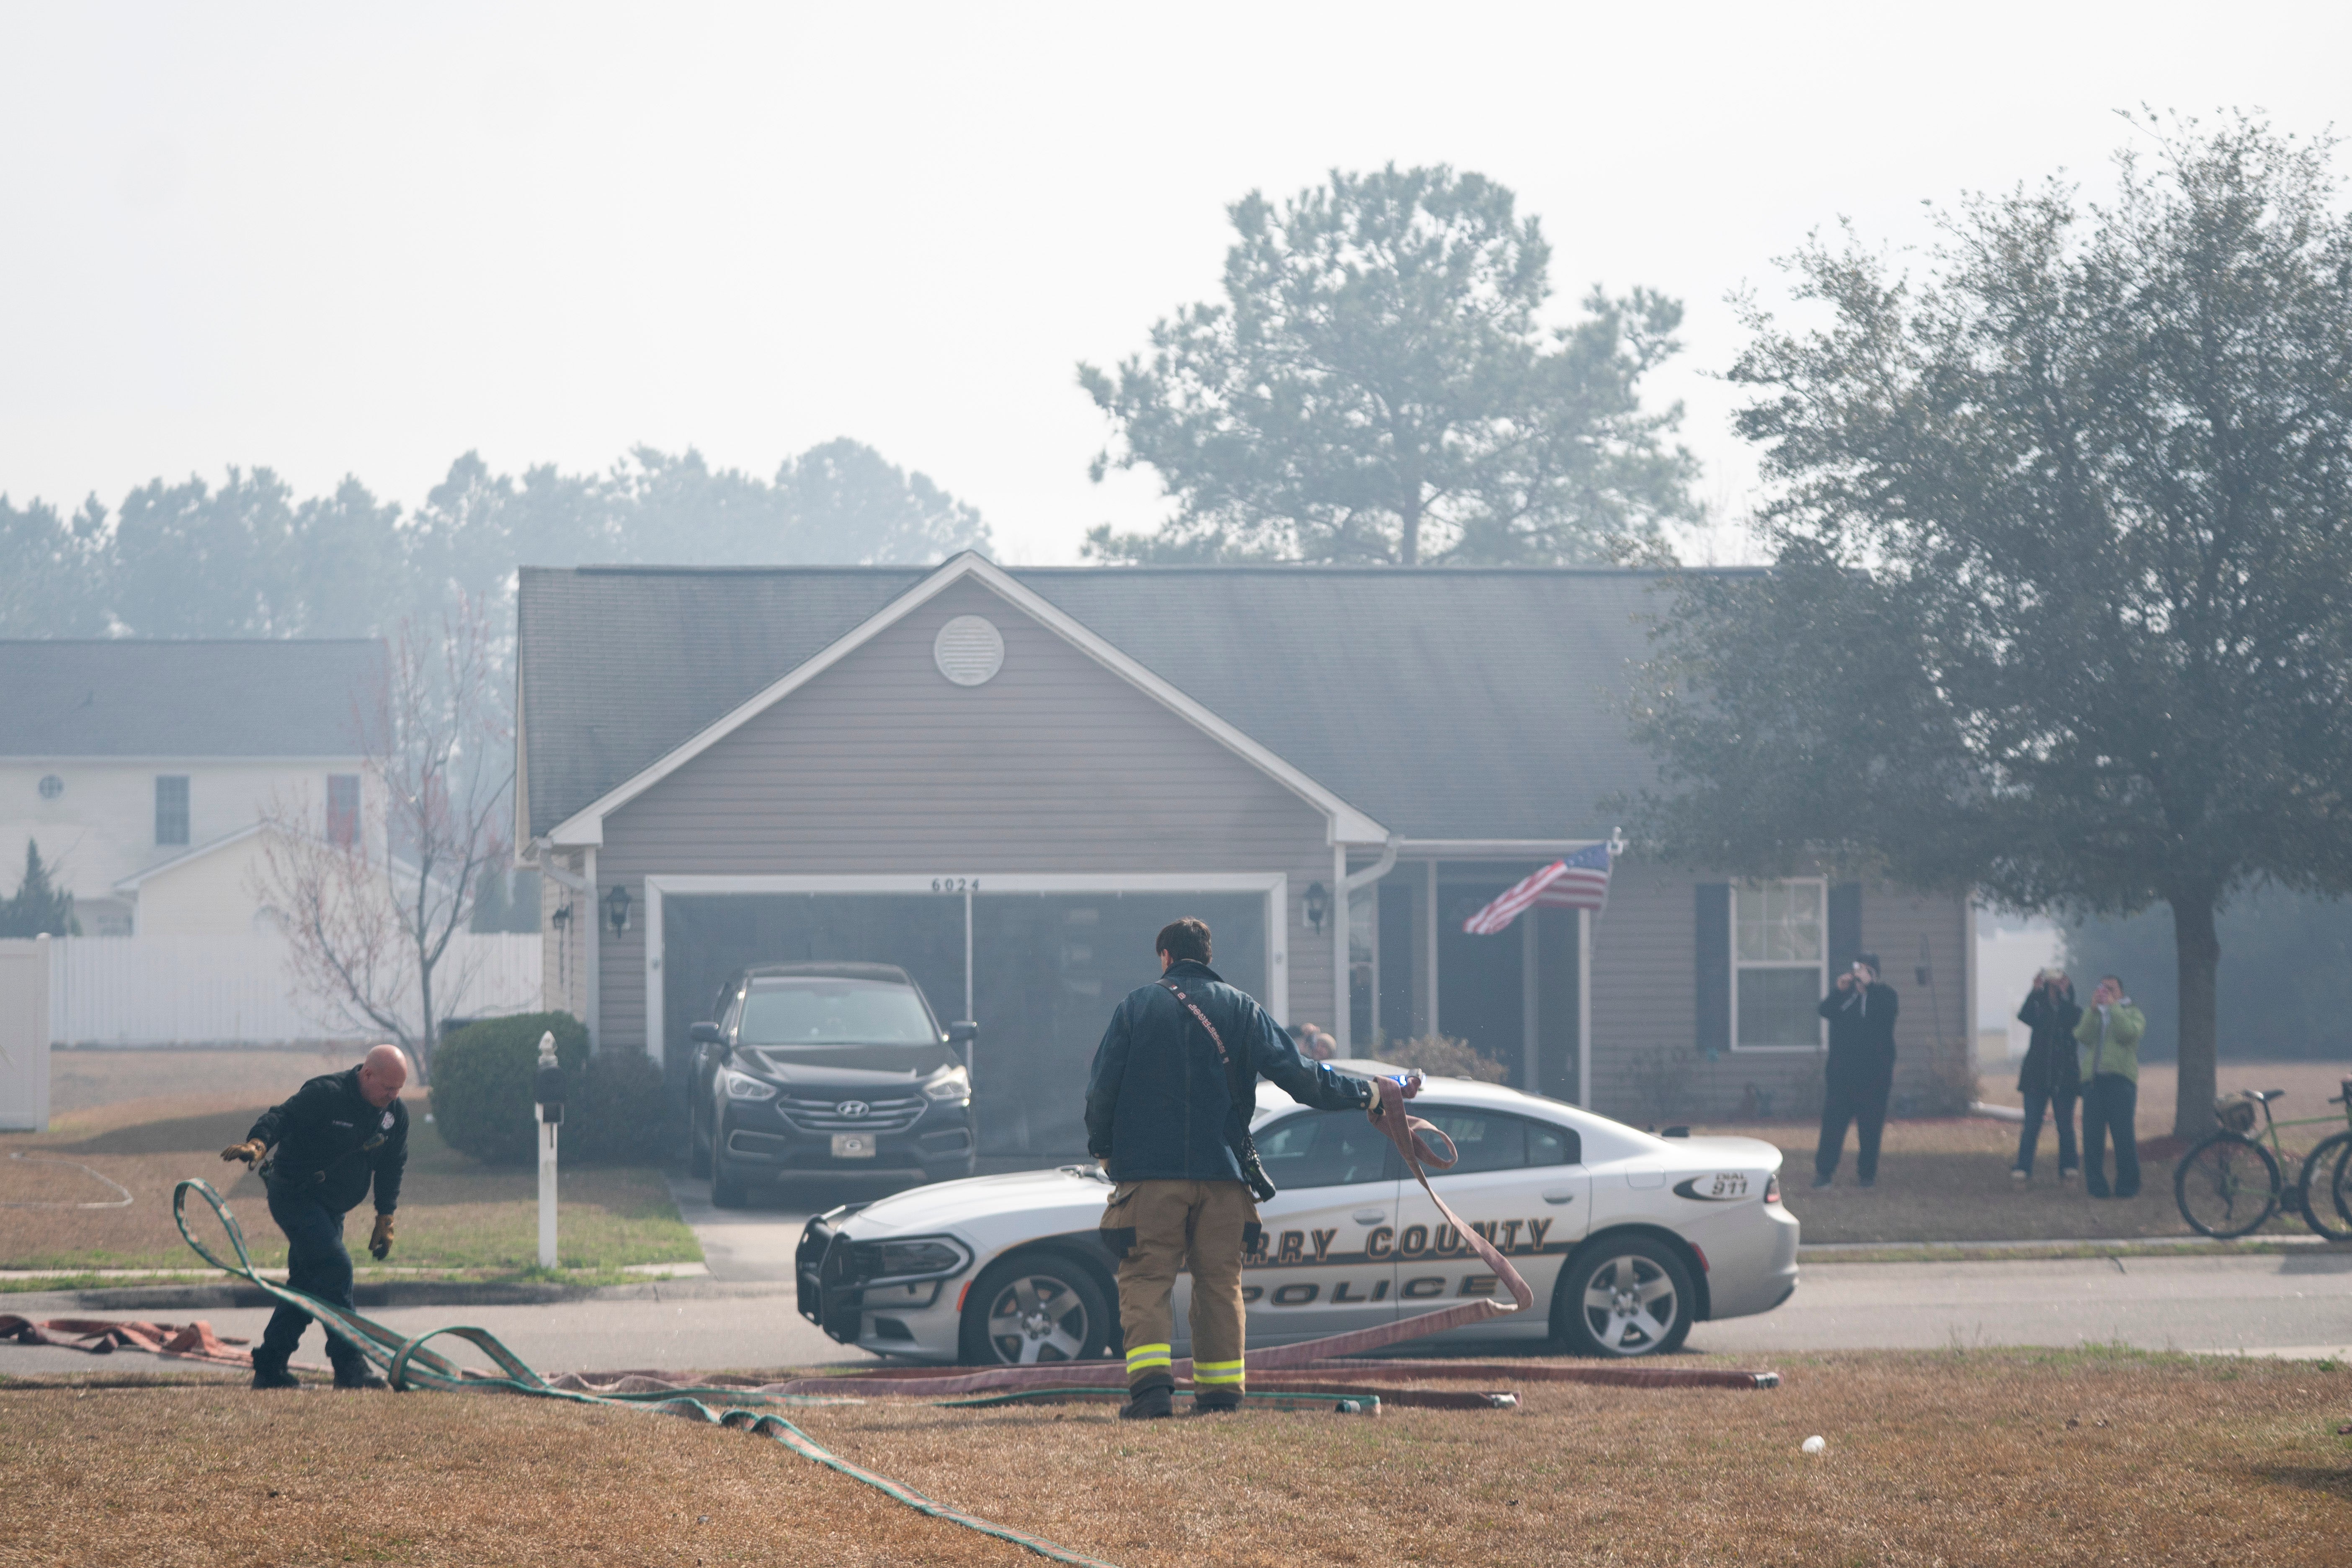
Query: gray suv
{"type": "Point", "coordinates": [826, 1068]}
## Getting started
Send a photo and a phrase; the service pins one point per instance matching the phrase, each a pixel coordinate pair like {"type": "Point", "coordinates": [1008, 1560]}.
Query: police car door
{"type": "Point", "coordinates": [1521, 1183]}
{"type": "Point", "coordinates": [1324, 1264]}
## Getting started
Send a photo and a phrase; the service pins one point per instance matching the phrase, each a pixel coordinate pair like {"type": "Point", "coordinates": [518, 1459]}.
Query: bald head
{"type": "Point", "coordinates": [381, 1073]}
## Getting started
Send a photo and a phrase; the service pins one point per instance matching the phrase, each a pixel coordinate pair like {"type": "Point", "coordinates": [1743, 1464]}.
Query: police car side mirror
{"type": "Point", "coordinates": [963, 1032]}
{"type": "Point", "coordinates": [703, 1034]}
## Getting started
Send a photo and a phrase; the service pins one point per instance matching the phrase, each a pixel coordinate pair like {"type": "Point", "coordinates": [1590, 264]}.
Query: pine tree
{"type": "Point", "coordinates": [39, 908]}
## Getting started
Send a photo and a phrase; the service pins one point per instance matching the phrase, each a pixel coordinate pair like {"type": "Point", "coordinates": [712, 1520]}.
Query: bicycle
{"type": "Point", "coordinates": [2230, 1185]}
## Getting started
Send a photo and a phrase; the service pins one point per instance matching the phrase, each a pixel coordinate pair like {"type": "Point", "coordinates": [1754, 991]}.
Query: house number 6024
{"type": "Point", "coordinates": [955, 884]}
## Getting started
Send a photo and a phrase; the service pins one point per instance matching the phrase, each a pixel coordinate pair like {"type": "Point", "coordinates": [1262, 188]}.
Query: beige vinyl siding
{"type": "Point", "coordinates": [881, 765]}
{"type": "Point", "coordinates": [1646, 1067]}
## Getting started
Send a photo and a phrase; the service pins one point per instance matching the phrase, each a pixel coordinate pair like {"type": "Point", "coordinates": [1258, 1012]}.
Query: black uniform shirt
{"type": "Point", "coordinates": [329, 1141]}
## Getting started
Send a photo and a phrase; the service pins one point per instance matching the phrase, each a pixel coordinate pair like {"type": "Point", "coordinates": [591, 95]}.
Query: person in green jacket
{"type": "Point", "coordinates": [2107, 1039]}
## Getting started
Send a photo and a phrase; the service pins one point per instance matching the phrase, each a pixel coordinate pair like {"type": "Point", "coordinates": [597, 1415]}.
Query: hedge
{"type": "Point", "coordinates": [616, 1111]}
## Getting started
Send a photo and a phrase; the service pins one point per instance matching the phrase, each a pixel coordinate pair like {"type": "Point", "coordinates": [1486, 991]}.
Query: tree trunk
{"type": "Point", "coordinates": [425, 1038]}
{"type": "Point", "coordinates": [1409, 535]}
{"type": "Point", "coordinates": [2199, 951]}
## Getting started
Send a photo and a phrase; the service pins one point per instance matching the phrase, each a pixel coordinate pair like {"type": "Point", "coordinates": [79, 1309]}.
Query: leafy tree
{"type": "Point", "coordinates": [2286, 991]}
{"type": "Point", "coordinates": [1376, 386]}
{"type": "Point", "coordinates": [39, 908]}
{"type": "Point", "coordinates": [2062, 601]}
{"type": "Point", "coordinates": [249, 559]}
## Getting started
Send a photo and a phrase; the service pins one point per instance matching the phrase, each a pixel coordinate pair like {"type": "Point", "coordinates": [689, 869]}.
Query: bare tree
{"type": "Point", "coordinates": [370, 911]}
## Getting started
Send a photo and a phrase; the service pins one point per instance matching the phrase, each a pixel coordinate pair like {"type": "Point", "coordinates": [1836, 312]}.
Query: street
{"type": "Point", "coordinates": [745, 1315]}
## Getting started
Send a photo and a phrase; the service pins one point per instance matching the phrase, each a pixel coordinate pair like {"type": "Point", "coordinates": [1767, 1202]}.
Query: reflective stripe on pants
{"type": "Point", "coordinates": [1191, 1227]}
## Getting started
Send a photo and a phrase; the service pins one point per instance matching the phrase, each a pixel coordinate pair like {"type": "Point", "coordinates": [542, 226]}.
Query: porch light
{"type": "Point", "coordinates": [617, 908]}
{"type": "Point", "coordinates": [1319, 904]}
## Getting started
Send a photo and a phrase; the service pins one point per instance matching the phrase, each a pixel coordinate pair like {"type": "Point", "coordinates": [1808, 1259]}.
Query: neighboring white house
{"type": "Point", "coordinates": [142, 768]}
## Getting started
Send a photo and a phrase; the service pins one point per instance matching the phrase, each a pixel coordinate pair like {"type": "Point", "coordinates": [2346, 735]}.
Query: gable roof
{"type": "Point", "coordinates": [141, 698]}
{"type": "Point", "coordinates": [1444, 703]}
{"type": "Point", "coordinates": [1347, 825]}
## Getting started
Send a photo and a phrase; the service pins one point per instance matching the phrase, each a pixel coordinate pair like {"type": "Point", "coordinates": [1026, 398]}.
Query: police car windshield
{"type": "Point", "coordinates": [820, 1011]}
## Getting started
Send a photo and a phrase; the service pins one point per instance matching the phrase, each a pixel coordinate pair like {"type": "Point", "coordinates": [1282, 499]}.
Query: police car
{"type": "Point", "coordinates": [1627, 1238]}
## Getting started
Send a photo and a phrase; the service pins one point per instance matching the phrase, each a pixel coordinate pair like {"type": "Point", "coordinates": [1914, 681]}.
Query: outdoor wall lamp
{"type": "Point", "coordinates": [617, 908]}
{"type": "Point", "coordinates": [1319, 904]}
{"type": "Point", "coordinates": [562, 916]}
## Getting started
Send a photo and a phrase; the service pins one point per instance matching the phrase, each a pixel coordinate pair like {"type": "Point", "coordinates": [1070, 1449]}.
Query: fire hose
{"type": "Point", "coordinates": [1297, 1372]}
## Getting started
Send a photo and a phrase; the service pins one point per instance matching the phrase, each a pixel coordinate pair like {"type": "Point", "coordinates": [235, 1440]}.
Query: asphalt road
{"type": "Point", "coordinates": [745, 1316]}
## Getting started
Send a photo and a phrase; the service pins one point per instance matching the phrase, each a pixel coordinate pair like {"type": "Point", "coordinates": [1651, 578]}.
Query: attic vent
{"type": "Point", "coordinates": [969, 650]}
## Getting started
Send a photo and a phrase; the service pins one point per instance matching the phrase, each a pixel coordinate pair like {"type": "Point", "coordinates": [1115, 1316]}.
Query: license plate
{"type": "Point", "coordinates": [853, 1145]}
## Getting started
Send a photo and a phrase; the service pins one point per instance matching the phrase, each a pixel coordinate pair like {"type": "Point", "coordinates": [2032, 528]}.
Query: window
{"type": "Point", "coordinates": [1327, 1149]}
{"type": "Point", "coordinates": [171, 808]}
{"type": "Point", "coordinates": [831, 1011]}
{"type": "Point", "coordinates": [1489, 1142]}
{"type": "Point", "coordinates": [1779, 947]}
{"type": "Point", "coordinates": [342, 809]}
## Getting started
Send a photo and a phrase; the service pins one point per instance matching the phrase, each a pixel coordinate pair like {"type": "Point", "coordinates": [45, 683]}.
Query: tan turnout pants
{"type": "Point", "coordinates": [1191, 1227]}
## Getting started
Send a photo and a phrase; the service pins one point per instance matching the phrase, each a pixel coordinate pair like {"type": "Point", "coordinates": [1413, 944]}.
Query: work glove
{"type": "Point", "coordinates": [249, 1151]}
{"type": "Point", "coordinates": [380, 1243]}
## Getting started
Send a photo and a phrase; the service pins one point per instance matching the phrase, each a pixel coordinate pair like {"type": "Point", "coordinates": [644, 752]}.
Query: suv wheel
{"type": "Point", "coordinates": [728, 1188]}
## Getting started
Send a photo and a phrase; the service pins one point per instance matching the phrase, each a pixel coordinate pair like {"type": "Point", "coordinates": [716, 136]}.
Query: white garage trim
{"type": "Point", "coordinates": [1275, 885]}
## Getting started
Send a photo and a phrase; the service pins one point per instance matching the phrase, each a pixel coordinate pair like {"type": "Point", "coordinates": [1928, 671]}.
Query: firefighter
{"type": "Point", "coordinates": [340, 1133]}
{"type": "Point", "coordinates": [1168, 1107]}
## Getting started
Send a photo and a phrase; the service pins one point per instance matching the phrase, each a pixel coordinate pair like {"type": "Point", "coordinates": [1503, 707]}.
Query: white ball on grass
{"type": "Point", "coordinates": [1814, 1445]}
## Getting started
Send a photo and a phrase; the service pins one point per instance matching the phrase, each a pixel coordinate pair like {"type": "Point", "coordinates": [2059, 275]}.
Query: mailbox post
{"type": "Point", "coordinates": [547, 1091]}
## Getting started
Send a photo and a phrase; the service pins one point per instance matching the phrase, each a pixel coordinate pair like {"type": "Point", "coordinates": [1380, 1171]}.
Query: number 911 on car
{"type": "Point", "coordinates": [1628, 1239]}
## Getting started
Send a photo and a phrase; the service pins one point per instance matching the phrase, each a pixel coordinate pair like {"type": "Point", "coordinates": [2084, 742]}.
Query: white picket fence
{"type": "Point", "coordinates": [238, 990]}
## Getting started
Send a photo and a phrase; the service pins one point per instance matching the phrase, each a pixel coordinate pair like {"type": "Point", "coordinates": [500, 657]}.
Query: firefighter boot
{"type": "Point", "coordinates": [352, 1370]}
{"type": "Point", "coordinates": [1153, 1402]}
{"type": "Point", "coordinates": [1216, 1401]}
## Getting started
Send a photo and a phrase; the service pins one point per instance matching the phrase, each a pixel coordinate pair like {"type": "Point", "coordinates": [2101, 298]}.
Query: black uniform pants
{"type": "Point", "coordinates": [1856, 1098]}
{"type": "Point", "coordinates": [316, 1265]}
{"type": "Point", "coordinates": [2110, 1109]}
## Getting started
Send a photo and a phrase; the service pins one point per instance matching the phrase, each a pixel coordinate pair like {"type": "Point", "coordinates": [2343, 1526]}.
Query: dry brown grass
{"type": "Point", "coordinates": [1991, 1458]}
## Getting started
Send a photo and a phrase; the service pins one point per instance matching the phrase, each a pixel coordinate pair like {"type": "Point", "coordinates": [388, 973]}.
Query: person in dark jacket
{"type": "Point", "coordinates": [2049, 1079]}
{"type": "Point", "coordinates": [341, 1133]}
{"type": "Point", "coordinates": [1168, 1106]}
{"type": "Point", "coordinates": [1861, 1009]}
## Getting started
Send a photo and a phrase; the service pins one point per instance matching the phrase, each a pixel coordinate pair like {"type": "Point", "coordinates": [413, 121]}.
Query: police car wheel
{"type": "Point", "coordinates": [1037, 1307]}
{"type": "Point", "coordinates": [1623, 1297]}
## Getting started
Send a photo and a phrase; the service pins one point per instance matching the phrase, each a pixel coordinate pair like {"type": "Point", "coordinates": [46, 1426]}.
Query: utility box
{"type": "Point", "coordinates": [24, 1036]}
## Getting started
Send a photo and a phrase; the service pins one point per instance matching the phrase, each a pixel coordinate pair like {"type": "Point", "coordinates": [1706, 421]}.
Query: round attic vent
{"type": "Point", "coordinates": [52, 786]}
{"type": "Point", "coordinates": [969, 650]}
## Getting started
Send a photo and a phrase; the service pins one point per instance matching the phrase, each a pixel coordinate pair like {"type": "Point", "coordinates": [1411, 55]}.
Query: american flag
{"type": "Point", "coordinates": [1581, 881]}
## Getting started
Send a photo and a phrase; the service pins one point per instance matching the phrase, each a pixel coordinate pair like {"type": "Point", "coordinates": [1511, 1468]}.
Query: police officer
{"type": "Point", "coordinates": [1168, 1107]}
{"type": "Point", "coordinates": [341, 1130]}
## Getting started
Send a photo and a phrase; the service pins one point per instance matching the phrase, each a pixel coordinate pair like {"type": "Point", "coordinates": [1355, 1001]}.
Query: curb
{"type": "Point", "coordinates": [2063, 1249]}
{"type": "Point", "coordinates": [412, 1293]}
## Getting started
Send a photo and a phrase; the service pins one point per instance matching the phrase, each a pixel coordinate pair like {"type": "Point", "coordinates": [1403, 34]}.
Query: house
{"type": "Point", "coordinates": [1007, 779]}
{"type": "Point", "coordinates": [142, 768]}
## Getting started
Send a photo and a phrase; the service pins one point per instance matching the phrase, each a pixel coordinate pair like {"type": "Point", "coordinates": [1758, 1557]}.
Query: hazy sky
{"type": "Point", "coordinates": [362, 239]}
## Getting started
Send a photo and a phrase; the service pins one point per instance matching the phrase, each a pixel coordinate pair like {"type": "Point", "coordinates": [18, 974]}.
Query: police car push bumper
{"type": "Point", "coordinates": [1694, 1222]}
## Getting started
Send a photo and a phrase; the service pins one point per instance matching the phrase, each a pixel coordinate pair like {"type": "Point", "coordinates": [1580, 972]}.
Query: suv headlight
{"type": "Point", "coordinates": [953, 1084]}
{"type": "Point", "coordinates": [743, 1086]}
{"type": "Point", "coordinates": [915, 1258]}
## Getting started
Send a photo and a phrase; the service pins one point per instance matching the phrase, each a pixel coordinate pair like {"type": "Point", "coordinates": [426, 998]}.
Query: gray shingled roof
{"type": "Point", "coordinates": [1446, 703]}
{"type": "Point", "coordinates": [139, 698]}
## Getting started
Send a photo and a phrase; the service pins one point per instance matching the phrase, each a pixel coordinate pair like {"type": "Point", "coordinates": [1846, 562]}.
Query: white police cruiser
{"type": "Point", "coordinates": [1627, 1238]}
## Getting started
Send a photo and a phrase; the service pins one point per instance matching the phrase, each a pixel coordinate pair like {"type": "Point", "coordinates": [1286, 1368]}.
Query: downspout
{"type": "Point", "coordinates": [584, 920]}
{"type": "Point", "coordinates": [1343, 1024]}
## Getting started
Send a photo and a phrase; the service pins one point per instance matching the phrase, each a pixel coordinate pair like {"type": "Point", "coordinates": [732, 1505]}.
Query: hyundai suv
{"type": "Point", "coordinates": [828, 1069]}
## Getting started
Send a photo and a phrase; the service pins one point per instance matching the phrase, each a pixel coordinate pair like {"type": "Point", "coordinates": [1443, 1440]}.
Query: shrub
{"type": "Point", "coordinates": [482, 1083]}
{"type": "Point", "coordinates": [617, 1112]}
{"type": "Point", "coordinates": [1442, 1056]}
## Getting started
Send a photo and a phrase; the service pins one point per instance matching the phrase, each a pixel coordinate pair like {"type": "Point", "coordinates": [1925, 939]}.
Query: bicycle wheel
{"type": "Point", "coordinates": [2327, 1188]}
{"type": "Point", "coordinates": [2227, 1185]}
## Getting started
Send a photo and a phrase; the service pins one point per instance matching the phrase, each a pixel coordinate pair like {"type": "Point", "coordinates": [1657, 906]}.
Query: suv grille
{"type": "Point", "coordinates": [895, 1113]}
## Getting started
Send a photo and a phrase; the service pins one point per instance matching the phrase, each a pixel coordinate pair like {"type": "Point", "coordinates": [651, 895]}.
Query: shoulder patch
{"type": "Point", "coordinates": [387, 1121]}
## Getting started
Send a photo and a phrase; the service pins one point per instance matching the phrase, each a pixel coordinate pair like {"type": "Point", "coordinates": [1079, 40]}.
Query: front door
{"type": "Point", "coordinates": [1325, 1265]}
